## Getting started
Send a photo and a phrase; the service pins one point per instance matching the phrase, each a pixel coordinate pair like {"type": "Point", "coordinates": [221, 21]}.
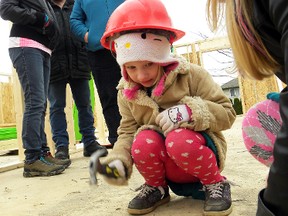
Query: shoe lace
{"type": "Point", "coordinates": [45, 161]}
{"type": "Point", "coordinates": [215, 190]}
{"type": "Point", "coordinates": [146, 190]}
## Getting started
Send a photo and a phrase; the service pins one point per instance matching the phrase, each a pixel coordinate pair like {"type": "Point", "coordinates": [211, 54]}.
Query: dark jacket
{"type": "Point", "coordinates": [270, 20]}
{"type": "Point", "coordinates": [69, 58]}
{"type": "Point", "coordinates": [270, 17]}
{"type": "Point", "coordinates": [28, 18]}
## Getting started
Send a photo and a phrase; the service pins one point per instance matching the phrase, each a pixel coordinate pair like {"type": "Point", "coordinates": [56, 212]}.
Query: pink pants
{"type": "Point", "coordinates": [182, 157]}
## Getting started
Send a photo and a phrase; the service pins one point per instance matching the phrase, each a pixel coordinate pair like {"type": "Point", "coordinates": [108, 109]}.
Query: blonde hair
{"type": "Point", "coordinates": [161, 73]}
{"type": "Point", "coordinates": [251, 57]}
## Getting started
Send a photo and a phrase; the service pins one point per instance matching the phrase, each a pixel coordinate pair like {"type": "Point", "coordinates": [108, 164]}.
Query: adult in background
{"type": "Point", "coordinates": [258, 34]}
{"type": "Point", "coordinates": [69, 65]}
{"type": "Point", "coordinates": [33, 36]}
{"type": "Point", "coordinates": [88, 21]}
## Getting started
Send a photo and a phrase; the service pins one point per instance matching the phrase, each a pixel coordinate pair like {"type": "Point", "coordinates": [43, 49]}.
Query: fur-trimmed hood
{"type": "Point", "coordinates": [131, 89]}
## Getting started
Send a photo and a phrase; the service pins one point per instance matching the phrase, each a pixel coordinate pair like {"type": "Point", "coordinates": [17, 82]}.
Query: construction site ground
{"type": "Point", "coordinates": [70, 194]}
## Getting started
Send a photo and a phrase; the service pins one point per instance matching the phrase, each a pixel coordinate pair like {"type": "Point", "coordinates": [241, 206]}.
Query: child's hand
{"type": "Point", "coordinates": [171, 118]}
{"type": "Point", "coordinates": [115, 173]}
{"type": "Point", "coordinates": [119, 169]}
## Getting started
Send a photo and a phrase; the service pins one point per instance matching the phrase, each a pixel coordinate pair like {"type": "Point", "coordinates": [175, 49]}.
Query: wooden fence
{"type": "Point", "coordinates": [194, 52]}
{"type": "Point", "coordinates": [251, 91]}
{"type": "Point", "coordinates": [11, 107]}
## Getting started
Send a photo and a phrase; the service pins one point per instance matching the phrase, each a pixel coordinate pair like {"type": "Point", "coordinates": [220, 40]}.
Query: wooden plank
{"type": "Point", "coordinates": [214, 44]}
{"type": "Point", "coordinates": [8, 144]}
{"type": "Point", "coordinates": [254, 91]}
{"type": "Point", "coordinates": [7, 108]}
{"type": "Point", "coordinates": [48, 132]}
{"type": "Point", "coordinates": [10, 163]}
{"type": "Point", "coordinates": [4, 125]}
{"type": "Point", "coordinates": [1, 105]}
{"type": "Point", "coordinates": [69, 118]}
{"type": "Point", "coordinates": [208, 45]}
{"type": "Point", "coordinates": [99, 124]}
{"type": "Point", "coordinates": [19, 110]}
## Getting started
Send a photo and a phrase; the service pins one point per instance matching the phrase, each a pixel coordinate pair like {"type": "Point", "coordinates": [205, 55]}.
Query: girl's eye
{"type": "Point", "coordinates": [130, 67]}
{"type": "Point", "coordinates": [149, 64]}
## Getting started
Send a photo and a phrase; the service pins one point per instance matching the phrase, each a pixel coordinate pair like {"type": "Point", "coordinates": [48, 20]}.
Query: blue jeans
{"type": "Point", "coordinates": [33, 69]}
{"type": "Point", "coordinates": [106, 73]}
{"type": "Point", "coordinates": [57, 98]}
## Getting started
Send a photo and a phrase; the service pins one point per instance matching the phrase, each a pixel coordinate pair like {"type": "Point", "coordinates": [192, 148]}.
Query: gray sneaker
{"type": "Point", "coordinates": [148, 199]}
{"type": "Point", "coordinates": [42, 167]}
{"type": "Point", "coordinates": [218, 199]}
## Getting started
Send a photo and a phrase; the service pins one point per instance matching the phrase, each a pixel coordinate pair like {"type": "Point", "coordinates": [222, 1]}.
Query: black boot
{"type": "Point", "coordinates": [93, 147]}
{"type": "Point", "coordinates": [275, 196]}
{"type": "Point", "coordinates": [62, 153]}
{"type": "Point", "coordinates": [262, 209]}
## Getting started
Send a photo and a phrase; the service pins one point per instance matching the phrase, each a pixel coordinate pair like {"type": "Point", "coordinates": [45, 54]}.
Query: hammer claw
{"type": "Point", "coordinates": [95, 165]}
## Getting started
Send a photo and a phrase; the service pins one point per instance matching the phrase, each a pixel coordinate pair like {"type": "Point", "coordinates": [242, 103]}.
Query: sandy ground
{"type": "Point", "coordinates": [70, 193]}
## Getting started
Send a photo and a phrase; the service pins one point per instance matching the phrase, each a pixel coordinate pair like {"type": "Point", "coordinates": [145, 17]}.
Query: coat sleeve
{"type": "Point", "coordinates": [126, 131]}
{"type": "Point", "coordinates": [211, 108]}
{"type": "Point", "coordinates": [77, 21]}
{"type": "Point", "coordinates": [12, 11]}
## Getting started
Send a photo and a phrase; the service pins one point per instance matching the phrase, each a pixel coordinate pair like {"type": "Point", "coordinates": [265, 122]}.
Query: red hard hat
{"type": "Point", "coordinates": [139, 14]}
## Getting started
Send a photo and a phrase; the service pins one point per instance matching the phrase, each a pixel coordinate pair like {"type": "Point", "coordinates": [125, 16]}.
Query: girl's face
{"type": "Point", "coordinates": [145, 73]}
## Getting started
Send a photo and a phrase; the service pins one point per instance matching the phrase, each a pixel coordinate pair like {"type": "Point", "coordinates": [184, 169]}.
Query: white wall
{"type": "Point", "coordinates": [5, 62]}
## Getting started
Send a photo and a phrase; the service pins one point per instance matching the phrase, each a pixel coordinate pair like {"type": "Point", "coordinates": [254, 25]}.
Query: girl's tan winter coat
{"type": "Point", "coordinates": [188, 84]}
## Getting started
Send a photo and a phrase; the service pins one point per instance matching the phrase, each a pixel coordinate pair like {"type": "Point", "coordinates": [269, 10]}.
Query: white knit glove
{"type": "Point", "coordinates": [119, 166]}
{"type": "Point", "coordinates": [171, 118]}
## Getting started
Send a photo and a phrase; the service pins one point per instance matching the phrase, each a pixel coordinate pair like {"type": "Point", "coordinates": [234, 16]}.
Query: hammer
{"type": "Point", "coordinates": [95, 166]}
